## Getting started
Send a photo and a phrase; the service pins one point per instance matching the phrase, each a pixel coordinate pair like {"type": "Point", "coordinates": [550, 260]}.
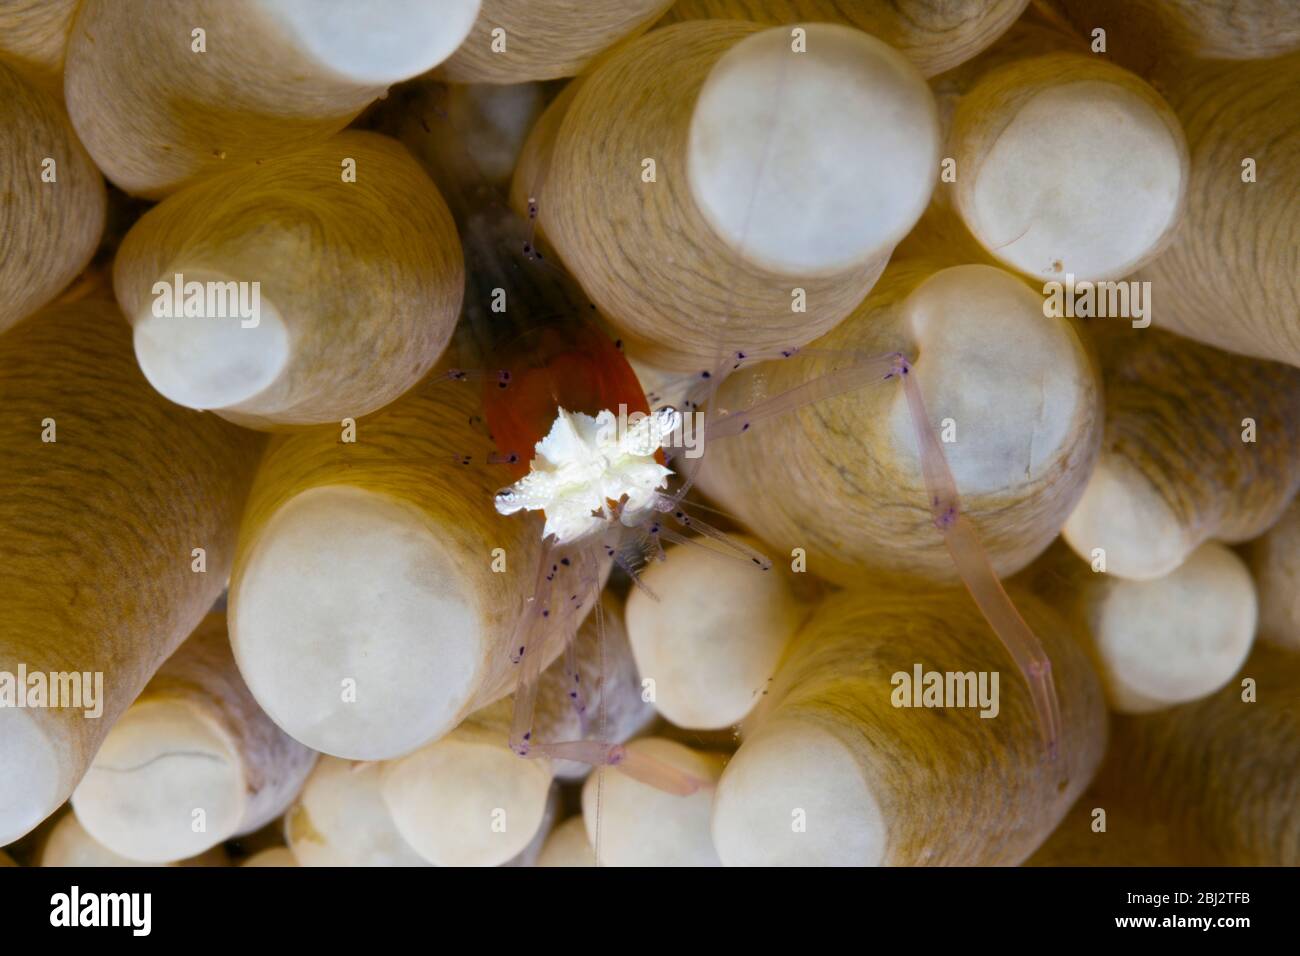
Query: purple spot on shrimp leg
{"type": "Point", "coordinates": [545, 634]}
{"type": "Point", "coordinates": [728, 546]}
{"type": "Point", "coordinates": [574, 680]}
{"type": "Point", "coordinates": [528, 645]}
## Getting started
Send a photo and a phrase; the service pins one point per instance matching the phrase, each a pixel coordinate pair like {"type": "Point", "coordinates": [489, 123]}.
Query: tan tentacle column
{"type": "Point", "coordinates": [163, 94]}
{"type": "Point", "coordinates": [1011, 393]}
{"type": "Point", "coordinates": [193, 762]}
{"type": "Point", "coordinates": [1220, 773]}
{"type": "Point", "coordinates": [1275, 560]}
{"type": "Point", "coordinates": [1098, 831]}
{"type": "Point", "coordinates": [1142, 34]}
{"type": "Point", "coordinates": [365, 611]}
{"type": "Point", "coordinates": [729, 210]}
{"type": "Point", "coordinates": [53, 209]}
{"type": "Point", "coordinates": [1231, 277]}
{"type": "Point", "coordinates": [118, 516]}
{"type": "Point", "coordinates": [842, 767]}
{"type": "Point", "coordinates": [934, 36]}
{"type": "Point", "coordinates": [1199, 445]}
{"type": "Point", "coordinates": [34, 38]}
{"type": "Point", "coordinates": [514, 41]}
{"type": "Point", "coordinates": [315, 287]}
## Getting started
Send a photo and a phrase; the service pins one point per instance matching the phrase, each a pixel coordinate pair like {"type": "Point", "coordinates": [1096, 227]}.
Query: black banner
{"type": "Point", "coordinates": [258, 905]}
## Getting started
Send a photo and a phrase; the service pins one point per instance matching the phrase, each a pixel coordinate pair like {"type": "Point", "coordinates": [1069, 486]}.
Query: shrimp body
{"type": "Point", "coordinates": [572, 397]}
{"type": "Point", "coordinates": [571, 365]}
{"type": "Point", "coordinates": [573, 430]}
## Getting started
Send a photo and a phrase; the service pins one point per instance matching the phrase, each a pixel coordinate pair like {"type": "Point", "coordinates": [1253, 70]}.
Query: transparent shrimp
{"type": "Point", "coordinates": [590, 374]}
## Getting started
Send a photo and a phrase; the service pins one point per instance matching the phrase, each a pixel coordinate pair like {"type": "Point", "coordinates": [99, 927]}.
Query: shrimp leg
{"type": "Point", "coordinates": [977, 573]}
{"type": "Point", "coordinates": [963, 544]}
